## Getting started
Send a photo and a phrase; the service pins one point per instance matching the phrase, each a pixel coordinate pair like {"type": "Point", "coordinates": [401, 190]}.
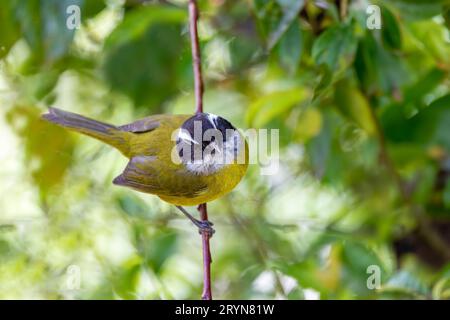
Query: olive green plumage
{"type": "Point", "coordinates": [149, 145]}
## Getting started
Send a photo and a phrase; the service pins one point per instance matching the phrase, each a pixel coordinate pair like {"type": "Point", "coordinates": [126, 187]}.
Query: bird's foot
{"type": "Point", "coordinates": [205, 227]}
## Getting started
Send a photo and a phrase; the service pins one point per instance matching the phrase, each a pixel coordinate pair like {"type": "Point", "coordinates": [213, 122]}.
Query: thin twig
{"type": "Point", "coordinates": [198, 87]}
{"type": "Point", "coordinates": [196, 57]}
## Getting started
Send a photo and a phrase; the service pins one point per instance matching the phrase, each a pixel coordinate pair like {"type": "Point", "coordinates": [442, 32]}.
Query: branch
{"type": "Point", "coordinates": [198, 87]}
{"type": "Point", "coordinates": [196, 58]}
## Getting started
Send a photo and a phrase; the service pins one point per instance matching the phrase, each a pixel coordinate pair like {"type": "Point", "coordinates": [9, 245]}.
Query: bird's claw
{"type": "Point", "coordinates": [206, 227]}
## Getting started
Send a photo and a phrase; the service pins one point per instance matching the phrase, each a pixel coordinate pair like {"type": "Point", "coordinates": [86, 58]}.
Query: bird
{"type": "Point", "coordinates": [185, 160]}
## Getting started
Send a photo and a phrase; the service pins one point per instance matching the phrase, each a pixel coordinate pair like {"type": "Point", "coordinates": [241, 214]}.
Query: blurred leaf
{"type": "Point", "coordinates": [155, 252]}
{"type": "Point", "coordinates": [9, 29]}
{"type": "Point", "coordinates": [290, 9]}
{"type": "Point", "coordinates": [428, 127]}
{"type": "Point", "coordinates": [136, 24]}
{"type": "Point", "coordinates": [324, 84]}
{"type": "Point", "coordinates": [424, 190]}
{"type": "Point", "coordinates": [390, 31]}
{"type": "Point", "coordinates": [351, 102]}
{"type": "Point", "coordinates": [446, 194]}
{"type": "Point", "coordinates": [418, 9]}
{"type": "Point", "coordinates": [366, 62]}
{"type": "Point", "coordinates": [441, 290]}
{"type": "Point", "coordinates": [377, 69]}
{"type": "Point", "coordinates": [7, 227]}
{"type": "Point", "coordinates": [5, 250]}
{"type": "Point", "coordinates": [290, 48]}
{"type": "Point", "coordinates": [357, 258]}
{"type": "Point", "coordinates": [309, 124]}
{"type": "Point", "coordinates": [318, 148]}
{"type": "Point", "coordinates": [266, 108]}
{"type": "Point", "coordinates": [147, 45]}
{"type": "Point", "coordinates": [404, 283]}
{"type": "Point", "coordinates": [91, 8]}
{"type": "Point", "coordinates": [306, 274]}
{"type": "Point", "coordinates": [336, 43]}
{"type": "Point", "coordinates": [426, 84]}
{"type": "Point", "coordinates": [132, 206]}
{"type": "Point", "coordinates": [43, 24]}
{"type": "Point", "coordinates": [126, 279]}
{"type": "Point", "coordinates": [47, 162]}
{"type": "Point", "coordinates": [431, 36]}
{"type": "Point", "coordinates": [446, 15]}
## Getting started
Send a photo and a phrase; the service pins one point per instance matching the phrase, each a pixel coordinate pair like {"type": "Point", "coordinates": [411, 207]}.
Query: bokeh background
{"type": "Point", "coordinates": [364, 120]}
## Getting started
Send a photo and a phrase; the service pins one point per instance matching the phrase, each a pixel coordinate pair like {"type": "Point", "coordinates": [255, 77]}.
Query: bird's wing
{"type": "Point", "coordinates": [143, 125]}
{"type": "Point", "coordinates": [148, 174]}
{"type": "Point", "coordinates": [153, 122]}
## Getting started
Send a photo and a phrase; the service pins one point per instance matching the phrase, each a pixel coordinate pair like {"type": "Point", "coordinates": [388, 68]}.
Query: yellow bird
{"type": "Point", "coordinates": [183, 159]}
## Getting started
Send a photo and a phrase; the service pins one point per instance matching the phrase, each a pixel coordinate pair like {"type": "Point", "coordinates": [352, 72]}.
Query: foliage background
{"type": "Point", "coordinates": [364, 119]}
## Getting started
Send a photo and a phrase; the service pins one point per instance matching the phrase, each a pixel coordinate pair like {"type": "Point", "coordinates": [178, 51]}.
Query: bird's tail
{"type": "Point", "coordinates": [102, 131]}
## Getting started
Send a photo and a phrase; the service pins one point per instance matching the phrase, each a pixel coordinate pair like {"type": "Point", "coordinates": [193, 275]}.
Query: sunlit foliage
{"type": "Point", "coordinates": [364, 178]}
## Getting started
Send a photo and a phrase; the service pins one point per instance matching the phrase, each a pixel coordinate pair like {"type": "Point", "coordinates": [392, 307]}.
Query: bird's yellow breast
{"type": "Point", "coordinates": [218, 184]}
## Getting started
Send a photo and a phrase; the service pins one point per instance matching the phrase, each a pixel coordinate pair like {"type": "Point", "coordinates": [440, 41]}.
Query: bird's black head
{"type": "Point", "coordinates": [207, 142]}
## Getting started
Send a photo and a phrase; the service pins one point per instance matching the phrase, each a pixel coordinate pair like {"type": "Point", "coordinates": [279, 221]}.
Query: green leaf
{"type": "Point", "coordinates": [431, 36]}
{"type": "Point", "coordinates": [446, 195]}
{"type": "Point", "coordinates": [309, 124]}
{"type": "Point", "coordinates": [126, 279]}
{"type": "Point", "coordinates": [266, 108]}
{"type": "Point", "coordinates": [425, 85]}
{"type": "Point", "coordinates": [290, 10]}
{"type": "Point", "coordinates": [9, 29]}
{"type": "Point", "coordinates": [336, 43]}
{"type": "Point", "coordinates": [418, 9]}
{"type": "Point", "coordinates": [51, 169]}
{"type": "Point", "coordinates": [378, 70]}
{"type": "Point", "coordinates": [136, 24]}
{"type": "Point", "coordinates": [427, 128]}
{"type": "Point", "coordinates": [441, 290]}
{"type": "Point", "coordinates": [147, 46]}
{"type": "Point", "coordinates": [91, 8]}
{"type": "Point", "coordinates": [357, 258]}
{"type": "Point", "coordinates": [446, 15]}
{"type": "Point", "coordinates": [319, 147]}
{"type": "Point", "coordinates": [132, 206]}
{"type": "Point", "coordinates": [290, 48]}
{"type": "Point", "coordinates": [390, 31]}
{"type": "Point", "coordinates": [43, 25]}
{"type": "Point", "coordinates": [354, 105]}
{"type": "Point", "coordinates": [155, 246]}
{"type": "Point", "coordinates": [405, 283]}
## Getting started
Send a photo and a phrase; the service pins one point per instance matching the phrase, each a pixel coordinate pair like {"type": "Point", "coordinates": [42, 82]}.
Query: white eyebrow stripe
{"type": "Point", "coordinates": [213, 119]}
{"type": "Point", "coordinates": [184, 135]}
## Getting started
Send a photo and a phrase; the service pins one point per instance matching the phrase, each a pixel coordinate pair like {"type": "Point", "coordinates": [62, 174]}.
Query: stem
{"type": "Point", "coordinates": [206, 295]}
{"type": "Point", "coordinates": [196, 58]}
{"type": "Point", "coordinates": [198, 87]}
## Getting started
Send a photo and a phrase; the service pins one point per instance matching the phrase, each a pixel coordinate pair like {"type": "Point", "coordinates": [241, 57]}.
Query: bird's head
{"type": "Point", "coordinates": [206, 143]}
